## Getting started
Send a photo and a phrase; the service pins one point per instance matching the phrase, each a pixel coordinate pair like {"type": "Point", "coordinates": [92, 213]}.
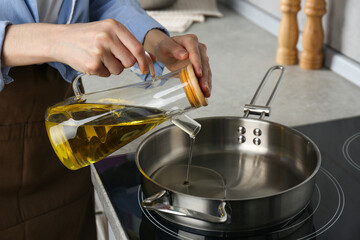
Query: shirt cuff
{"type": "Point", "coordinates": [140, 32]}
{"type": "Point", "coordinates": [4, 78]}
{"type": "Point", "coordinates": [147, 24]}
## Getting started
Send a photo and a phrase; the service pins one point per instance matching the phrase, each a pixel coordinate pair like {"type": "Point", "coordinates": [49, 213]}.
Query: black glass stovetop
{"type": "Point", "coordinates": [333, 212]}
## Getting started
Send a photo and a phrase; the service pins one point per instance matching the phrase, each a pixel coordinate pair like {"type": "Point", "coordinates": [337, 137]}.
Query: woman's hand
{"type": "Point", "coordinates": [97, 48]}
{"type": "Point", "coordinates": [176, 52]}
{"type": "Point", "coordinates": [100, 48]}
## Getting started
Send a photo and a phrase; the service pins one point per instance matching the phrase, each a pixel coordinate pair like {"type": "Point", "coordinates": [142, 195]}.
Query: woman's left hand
{"type": "Point", "coordinates": [178, 51]}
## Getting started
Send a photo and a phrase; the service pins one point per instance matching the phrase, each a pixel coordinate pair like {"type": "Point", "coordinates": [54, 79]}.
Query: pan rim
{"type": "Point", "coordinates": [292, 130]}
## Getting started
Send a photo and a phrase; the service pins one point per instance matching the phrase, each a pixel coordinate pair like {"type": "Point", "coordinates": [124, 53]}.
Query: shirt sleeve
{"type": "Point", "coordinates": [134, 18]}
{"type": "Point", "coordinates": [4, 78]}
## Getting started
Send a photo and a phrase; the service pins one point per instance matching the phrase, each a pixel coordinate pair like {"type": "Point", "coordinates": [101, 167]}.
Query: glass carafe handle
{"type": "Point", "coordinates": [151, 65]}
{"type": "Point", "coordinates": [75, 84]}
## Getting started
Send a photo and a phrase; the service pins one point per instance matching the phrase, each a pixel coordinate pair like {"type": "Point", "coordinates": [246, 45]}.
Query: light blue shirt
{"type": "Point", "coordinates": [128, 12]}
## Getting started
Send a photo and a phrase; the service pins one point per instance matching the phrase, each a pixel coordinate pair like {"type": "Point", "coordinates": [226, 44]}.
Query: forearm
{"type": "Point", "coordinates": [32, 43]}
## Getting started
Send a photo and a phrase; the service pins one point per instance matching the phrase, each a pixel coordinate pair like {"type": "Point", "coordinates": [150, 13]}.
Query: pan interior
{"type": "Point", "coordinates": [230, 176]}
{"type": "Point", "coordinates": [202, 182]}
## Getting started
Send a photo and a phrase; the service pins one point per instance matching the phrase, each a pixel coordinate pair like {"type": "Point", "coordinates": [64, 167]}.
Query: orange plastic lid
{"type": "Point", "coordinates": [191, 87]}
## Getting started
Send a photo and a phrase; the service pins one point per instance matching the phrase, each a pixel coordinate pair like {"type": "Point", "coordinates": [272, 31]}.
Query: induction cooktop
{"type": "Point", "coordinates": [333, 212]}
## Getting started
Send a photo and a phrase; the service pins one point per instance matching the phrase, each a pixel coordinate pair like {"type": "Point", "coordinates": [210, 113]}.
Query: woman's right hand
{"type": "Point", "coordinates": [100, 48]}
{"type": "Point", "coordinates": [96, 48]}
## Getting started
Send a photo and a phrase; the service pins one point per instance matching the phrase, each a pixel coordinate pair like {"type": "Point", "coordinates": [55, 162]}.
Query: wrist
{"type": "Point", "coordinates": [55, 49]}
{"type": "Point", "coordinates": [152, 39]}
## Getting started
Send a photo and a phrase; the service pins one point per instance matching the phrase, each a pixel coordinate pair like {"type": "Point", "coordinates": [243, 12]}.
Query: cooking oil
{"type": "Point", "coordinates": [192, 141]}
{"type": "Point", "coordinates": [202, 181]}
{"type": "Point", "coordinates": [82, 134]}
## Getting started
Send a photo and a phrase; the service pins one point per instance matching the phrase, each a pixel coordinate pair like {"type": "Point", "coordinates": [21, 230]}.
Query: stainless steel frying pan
{"type": "Point", "coordinates": [246, 174]}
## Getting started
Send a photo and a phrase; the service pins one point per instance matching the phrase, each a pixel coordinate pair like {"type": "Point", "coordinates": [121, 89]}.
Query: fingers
{"type": "Point", "coordinates": [177, 49]}
{"type": "Point", "coordinates": [131, 50]}
{"type": "Point", "coordinates": [115, 55]}
{"type": "Point", "coordinates": [114, 48]}
{"type": "Point", "coordinates": [95, 68]}
{"type": "Point", "coordinates": [197, 55]}
{"type": "Point", "coordinates": [191, 44]}
{"type": "Point", "coordinates": [205, 81]}
{"type": "Point", "coordinates": [112, 64]}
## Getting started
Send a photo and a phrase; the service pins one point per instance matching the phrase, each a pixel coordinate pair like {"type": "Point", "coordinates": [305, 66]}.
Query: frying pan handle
{"type": "Point", "coordinates": [263, 110]}
{"type": "Point", "coordinates": [159, 202]}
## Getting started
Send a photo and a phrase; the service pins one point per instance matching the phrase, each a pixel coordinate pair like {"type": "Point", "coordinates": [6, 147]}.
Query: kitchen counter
{"type": "Point", "coordinates": [240, 54]}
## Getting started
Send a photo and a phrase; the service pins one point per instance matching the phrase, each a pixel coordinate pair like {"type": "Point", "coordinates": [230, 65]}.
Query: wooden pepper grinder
{"type": "Point", "coordinates": [313, 36]}
{"type": "Point", "coordinates": [288, 33]}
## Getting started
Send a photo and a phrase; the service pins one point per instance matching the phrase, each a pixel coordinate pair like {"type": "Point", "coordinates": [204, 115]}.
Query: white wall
{"type": "Point", "coordinates": [341, 23]}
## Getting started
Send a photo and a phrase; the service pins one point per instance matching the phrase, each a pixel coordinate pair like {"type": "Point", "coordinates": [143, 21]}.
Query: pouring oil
{"type": "Point", "coordinates": [192, 141]}
{"type": "Point", "coordinates": [82, 134]}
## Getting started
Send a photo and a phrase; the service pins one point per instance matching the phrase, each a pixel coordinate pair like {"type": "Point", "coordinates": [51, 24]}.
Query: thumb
{"type": "Point", "coordinates": [177, 51]}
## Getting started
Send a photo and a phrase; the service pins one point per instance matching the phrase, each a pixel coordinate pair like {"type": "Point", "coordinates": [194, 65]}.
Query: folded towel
{"type": "Point", "coordinates": [180, 16]}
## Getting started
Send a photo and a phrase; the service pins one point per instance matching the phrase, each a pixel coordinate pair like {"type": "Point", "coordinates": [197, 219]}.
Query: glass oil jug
{"type": "Point", "coordinates": [88, 127]}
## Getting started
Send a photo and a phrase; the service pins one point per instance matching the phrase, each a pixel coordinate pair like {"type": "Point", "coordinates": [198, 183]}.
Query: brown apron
{"type": "Point", "coordinates": [39, 197]}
